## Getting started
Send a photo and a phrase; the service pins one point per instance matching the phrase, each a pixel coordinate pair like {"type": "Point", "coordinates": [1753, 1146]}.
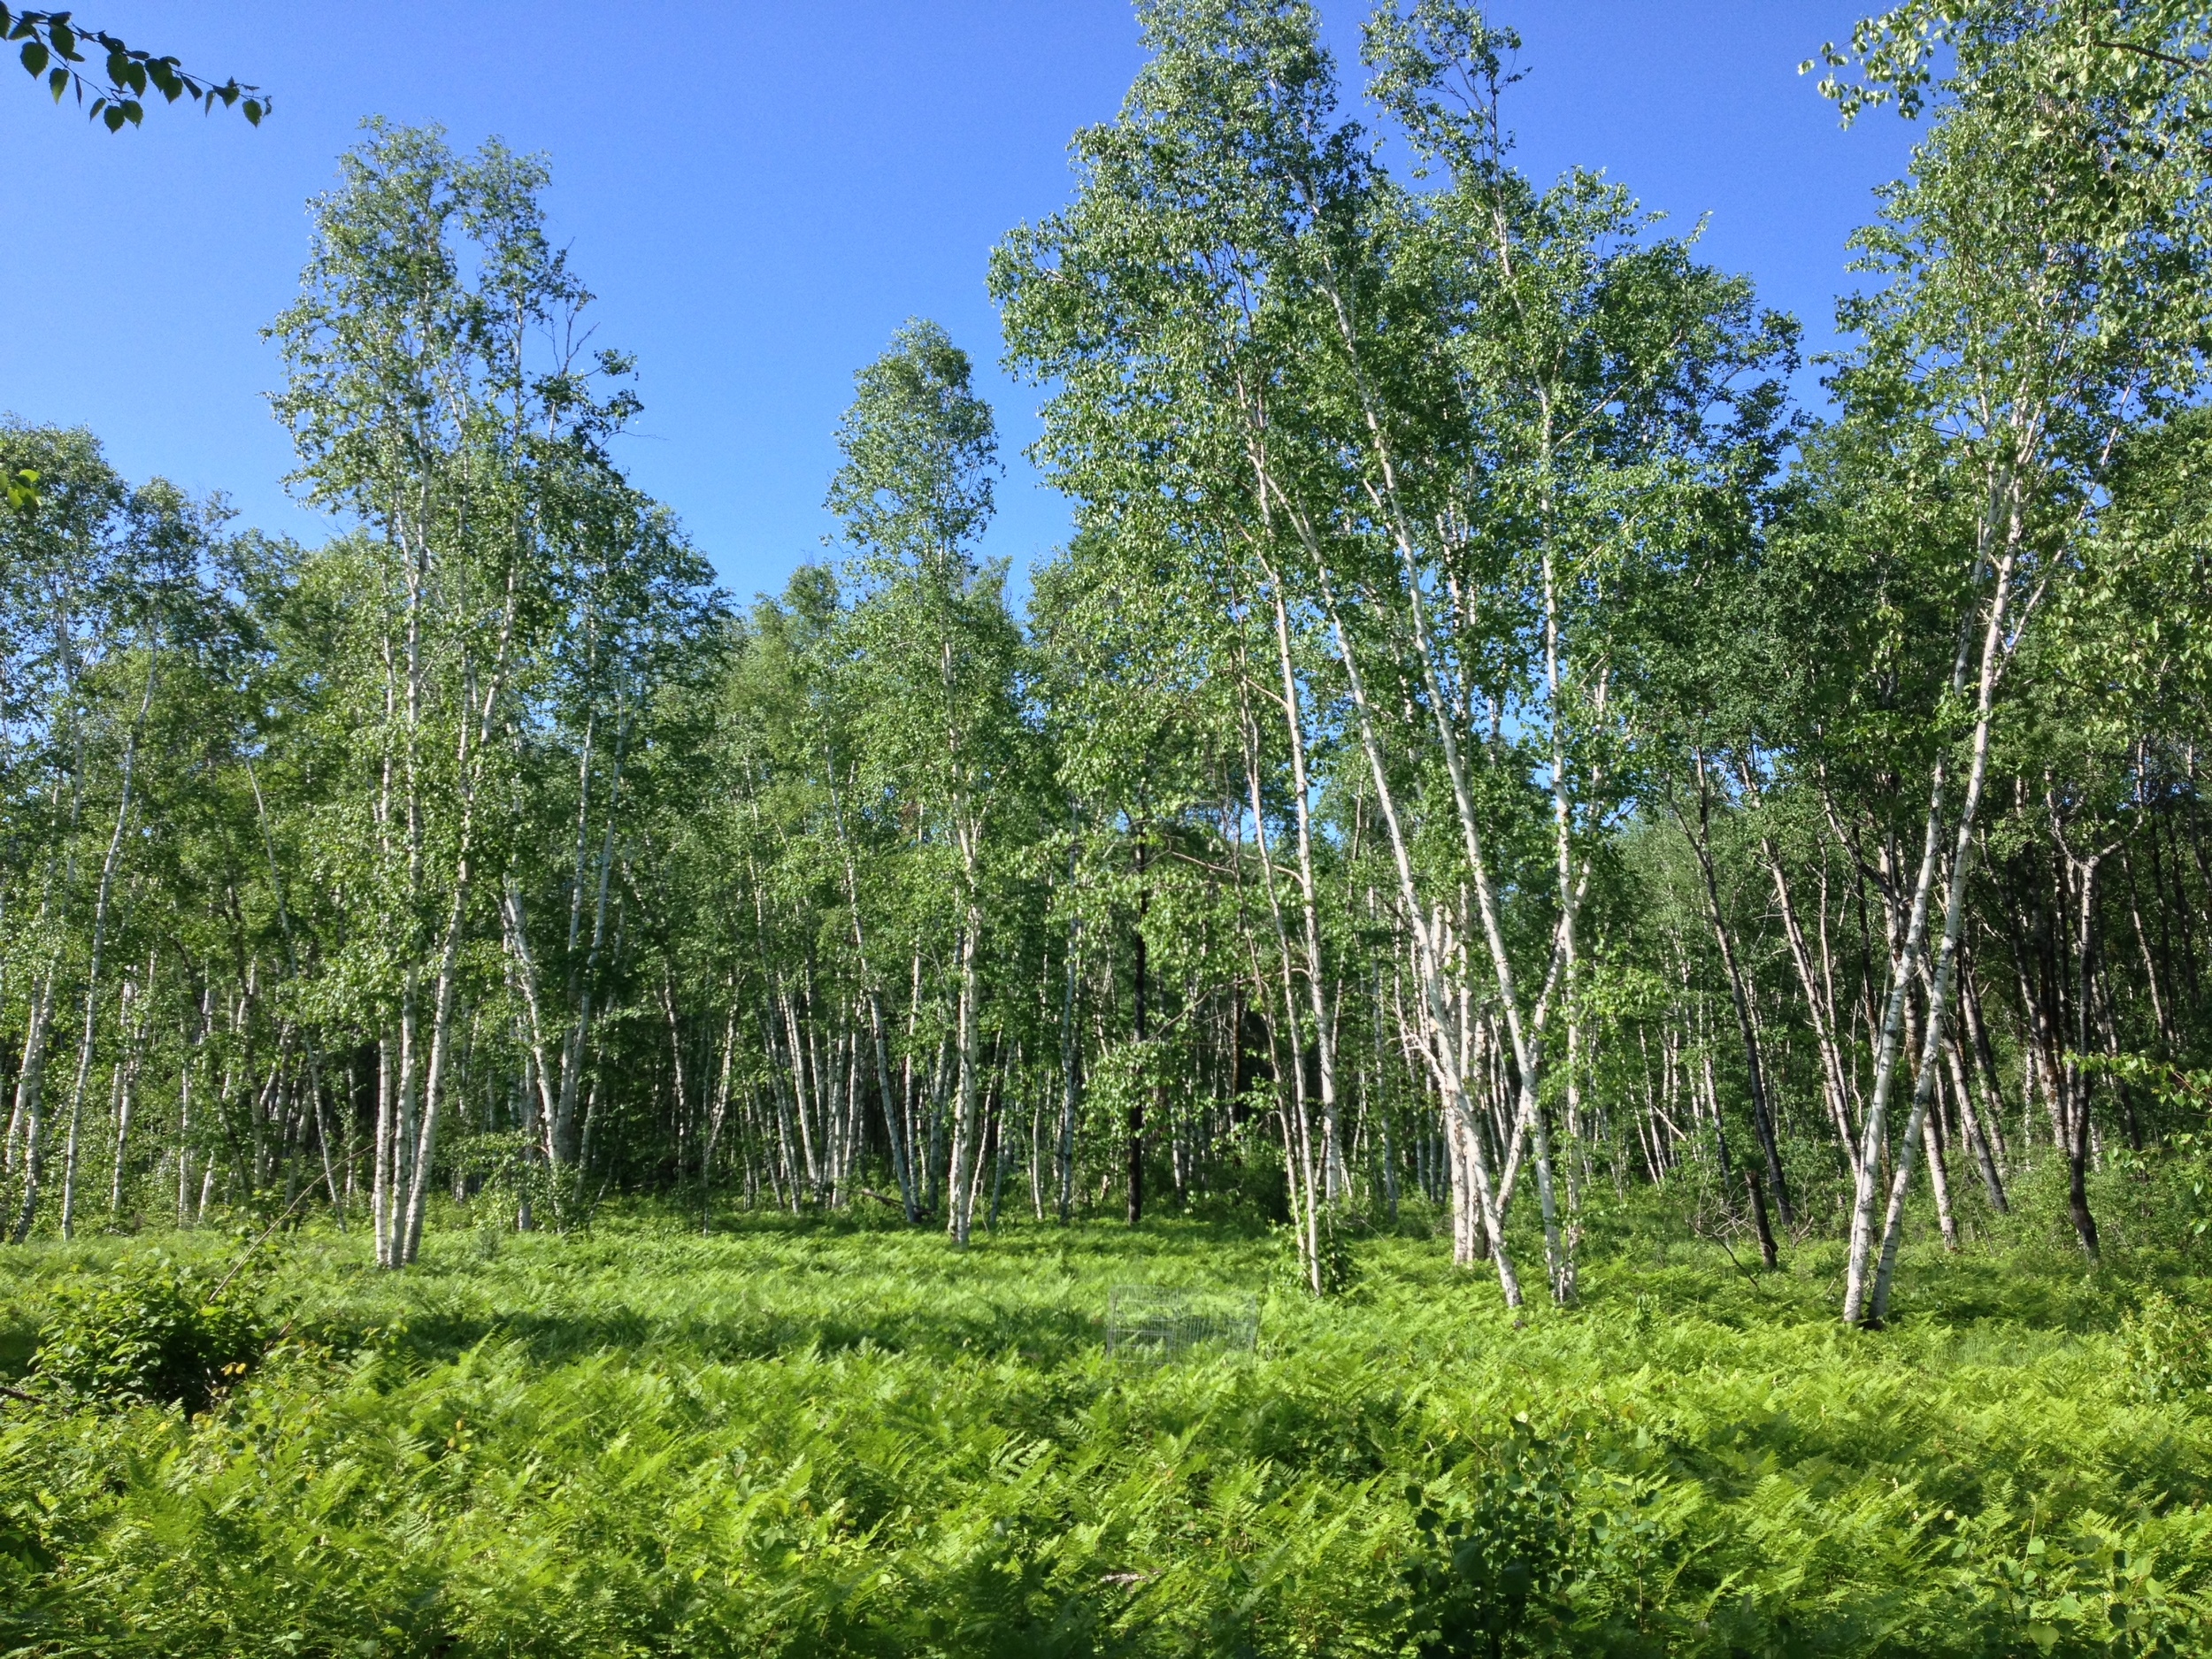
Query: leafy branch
{"type": "Point", "coordinates": [52, 48]}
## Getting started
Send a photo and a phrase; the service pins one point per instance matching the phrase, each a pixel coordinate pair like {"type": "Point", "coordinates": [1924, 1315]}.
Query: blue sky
{"type": "Point", "coordinates": [760, 193]}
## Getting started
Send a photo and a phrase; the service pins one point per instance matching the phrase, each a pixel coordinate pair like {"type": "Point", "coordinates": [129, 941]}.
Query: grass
{"type": "Point", "coordinates": [825, 1440]}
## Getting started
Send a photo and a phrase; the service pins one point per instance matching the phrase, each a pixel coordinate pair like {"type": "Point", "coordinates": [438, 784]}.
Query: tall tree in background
{"type": "Point", "coordinates": [931, 624]}
{"type": "Point", "coordinates": [436, 394]}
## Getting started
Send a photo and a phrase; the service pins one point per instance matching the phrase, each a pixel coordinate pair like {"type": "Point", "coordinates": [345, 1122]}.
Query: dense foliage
{"type": "Point", "coordinates": [807, 1437]}
{"type": "Point", "coordinates": [1483, 738]}
{"type": "Point", "coordinates": [1494, 775]}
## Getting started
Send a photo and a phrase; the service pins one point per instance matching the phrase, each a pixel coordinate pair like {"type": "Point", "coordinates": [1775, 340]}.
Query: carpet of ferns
{"type": "Point", "coordinates": [821, 1439]}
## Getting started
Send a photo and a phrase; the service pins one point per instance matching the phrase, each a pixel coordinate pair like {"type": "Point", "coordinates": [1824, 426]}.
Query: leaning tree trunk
{"type": "Point", "coordinates": [1448, 1074]}
{"type": "Point", "coordinates": [1855, 1300]}
{"type": "Point", "coordinates": [1739, 997]}
{"type": "Point", "coordinates": [1429, 966]}
{"type": "Point", "coordinates": [1297, 1136]}
{"type": "Point", "coordinates": [1971, 1124]}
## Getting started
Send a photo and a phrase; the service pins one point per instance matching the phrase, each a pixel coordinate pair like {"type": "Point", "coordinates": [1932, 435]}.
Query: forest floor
{"type": "Point", "coordinates": [818, 1439]}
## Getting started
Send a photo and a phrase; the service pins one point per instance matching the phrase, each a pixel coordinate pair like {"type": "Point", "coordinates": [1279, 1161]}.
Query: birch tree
{"type": "Point", "coordinates": [2042, 291]}
{"type": "Point", "coordinates": [436, 381]}
{"type": "Point", "coordinates": [914, 494]}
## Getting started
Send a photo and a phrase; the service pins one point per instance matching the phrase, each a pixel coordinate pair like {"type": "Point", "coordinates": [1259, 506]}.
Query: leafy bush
{"type": "Point", "coordinates": [148, 1331]}
{"type": "Point", "coordinates": [1497, 1538]}
{"type": "Point", "coordinates": [1339, 1272]}
{"type": "Point", "coordinates": [2169, 1349]}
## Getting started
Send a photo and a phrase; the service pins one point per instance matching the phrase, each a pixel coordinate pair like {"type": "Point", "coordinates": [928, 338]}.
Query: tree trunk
{"type": "Point", "coordinates": [1739, 997]}
{"type": "Point", "coordinates": [1970, 1121]}
{"type": "Point", "coordinates": [1940, 991]}
{"type": "Point", "coordinates": [960, 1178]}
{"type": "Point", "coordinates": [1939, 1180]}
{"type": "Point", "coordinates": [108, 866]}
{"type": "Point", "coordinates": [1133, 1175]}
{"type": "Point", "coordinates": [1820, 1012]}
{"type": "Point", "coordinates": [1427, 956]}
{"type": "Point", "coordinates": [1070, 1082]}
{"type": "Point", "coordinates": [30, 1100]}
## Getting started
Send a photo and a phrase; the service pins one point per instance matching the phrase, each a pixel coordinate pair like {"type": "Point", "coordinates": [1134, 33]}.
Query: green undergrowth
{"type": "Point", "coordinates": [826, 1439]}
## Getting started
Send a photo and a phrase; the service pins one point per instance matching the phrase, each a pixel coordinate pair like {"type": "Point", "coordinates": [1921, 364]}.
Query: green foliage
{"type": "Point", "coordinates": [1332, 1264]}
{"type": "Point", "coordinates": [149, 1331]}
{"type": "Point", "coordinates": [49, 45]}
{"type": "Point", "coordinates": [1430, 539]}
{"type": "Point", "coordinates": [825, 1440]}
{"type": "Point", "coordinates": [1497, 1535]}
{"type": "Point", "coordinates": [2169, 1349]}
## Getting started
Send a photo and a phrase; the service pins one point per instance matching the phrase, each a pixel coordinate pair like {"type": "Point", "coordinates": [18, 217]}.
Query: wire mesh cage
{"type": "Point", "coordinates": [1155, 1323]}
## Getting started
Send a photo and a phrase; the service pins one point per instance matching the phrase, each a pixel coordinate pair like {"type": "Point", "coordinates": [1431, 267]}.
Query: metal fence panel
{"type": "Point", "coordinates": [1155, 1323]}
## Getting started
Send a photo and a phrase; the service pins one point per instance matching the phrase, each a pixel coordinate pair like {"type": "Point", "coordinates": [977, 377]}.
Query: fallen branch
{"type": "Point", "coordinates": [257, 1243]}
{"type": "Point", "coordinates": [1713, 1236]}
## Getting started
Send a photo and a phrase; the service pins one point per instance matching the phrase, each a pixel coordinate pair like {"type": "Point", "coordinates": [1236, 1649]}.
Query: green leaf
{"type": "Point", "coordinates": [253, 113]}
{"type": "Point", "coordinates": [64, 39]}
{"type": "Point", "coordinates": [114, 117]}
{"type": "Point", "coordinates": [33, 56]}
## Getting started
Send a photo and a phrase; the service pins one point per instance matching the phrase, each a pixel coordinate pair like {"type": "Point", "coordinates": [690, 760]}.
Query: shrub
{"type": "Point", "coordinates": [1497, 1538]}
{"type": "Point", "coordinates": [146, 1331]}
{"type": "Point", "coordinates": [2168, 1351]}
{"type": "Point", "coordinates": [1332, 1252]}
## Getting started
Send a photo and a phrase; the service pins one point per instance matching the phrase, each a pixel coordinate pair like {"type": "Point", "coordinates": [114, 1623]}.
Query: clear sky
{"type": "Point", "coordinates": [759, 193]}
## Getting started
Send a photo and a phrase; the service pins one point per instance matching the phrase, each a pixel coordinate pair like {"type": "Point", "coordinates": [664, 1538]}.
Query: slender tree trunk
{"type": "Point", "coordinates": [1819, 1004]}
{"type": "Point", "coordinates": [1907, 968]}
{"type": "Point", "coordinates": [108, 866]}
{"type": "Point", "coordinates": [1429, 961]}
{"type": "Point", "coordinates": [1940, 1180]}
{"type": "Point", "coordinates": [126, 1092]}
{"type": "Point", "coordinates": [441, 1042]}
{"type": "Point", "coordinates": [1133, 1175]}
{"type": "Point", "coordinates": [387, 1088]}
{"type": "Point", "coordinates": [714, 1123]}
{"type": "Point", "coordinates": [1071, 1077]}
{"type": "Point", "coordinates": [2077, 1087]}
{"type": "Point", "coordinates": [1428, 965]}
{"type": "Point", "coordinates": [1297, 1139]}
{"type": "Point", "coordinates": [1985, 1162]}
{"type": "Point", "coordinates": [1309, 902]}
{"type": "Point", "coordinates": [960, 1177]}
{"type": "Point", "coordinates": [1739, 997]}
{"type": "Point", "coordinates": [30, 1099]}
